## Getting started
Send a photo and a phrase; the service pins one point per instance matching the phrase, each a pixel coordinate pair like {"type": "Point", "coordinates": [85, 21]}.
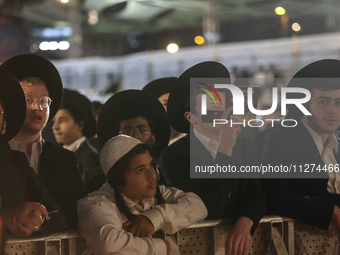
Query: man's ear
{"type": "Point", "coordinates": [190, 117]}
{"type": "Point", "coordinates": [3, 129]}
{"type": "Point", "coordinates": [81, 125]}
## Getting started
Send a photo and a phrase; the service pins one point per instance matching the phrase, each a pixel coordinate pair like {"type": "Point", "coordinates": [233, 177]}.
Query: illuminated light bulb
{"type": "Point", "coordinates": [296, 27]}
{"type": "Point", "coordinates": [199, 40]}
{"type": "Point", "coordinates": [280, 10]}
{"type": "Point", "coordinates": [172, 48]}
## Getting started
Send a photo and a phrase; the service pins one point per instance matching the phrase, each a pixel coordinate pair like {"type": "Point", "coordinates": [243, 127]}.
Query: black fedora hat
{"type": "Point", "coordinates": [160, 86]}
{"type": "Point", "coordinates": [83, 106]}
{"type": "Point", "coordinates": [13, 101]}
{"type": "Point", "coordinates": [27, 65]}
{"type": "Point", "coordinates": [325, 72]}
{"type": "Point", "coordinates": [130, 104]}
{"type": "Point", "coordinates": [181, 91]}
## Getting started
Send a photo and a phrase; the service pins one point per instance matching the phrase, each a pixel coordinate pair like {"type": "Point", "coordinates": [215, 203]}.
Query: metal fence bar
{"type": "Point", "coordinates": [274, 235]}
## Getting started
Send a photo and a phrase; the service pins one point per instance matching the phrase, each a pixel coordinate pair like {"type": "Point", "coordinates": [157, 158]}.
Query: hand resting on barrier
{"type": "Point", "coordinates": [24, 219]}
{"type": "Point", "coordinates": [238, 238]}
{"type": "Point", "coordinates": [140, 227]}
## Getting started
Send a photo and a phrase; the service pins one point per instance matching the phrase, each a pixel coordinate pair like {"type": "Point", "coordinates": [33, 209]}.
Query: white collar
{"type": "Point", "coordinates": [332, 141]}
{"type": "Point", "coordinates": [15, 145]}
{"type": "Point", "coordinates": [76, 144]}
{"type": "Point", "coordinates": [210, 144]}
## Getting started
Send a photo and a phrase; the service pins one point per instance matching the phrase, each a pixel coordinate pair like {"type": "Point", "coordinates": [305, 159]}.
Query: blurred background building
{"type": "Point", "coordinates": [98, 43]}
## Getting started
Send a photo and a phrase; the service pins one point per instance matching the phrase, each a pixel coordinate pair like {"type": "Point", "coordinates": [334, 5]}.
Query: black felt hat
{"type": "Point", "coordinates": [13, 101]}
{"type": "Point", "coordinates": [83, 106]}
{"type": "Point", "coordinates": [325, 72]}
{"type": "Point", "coordinates": [181, 91]}
{"type": "Point", "coordinates": [160, 86]}
{"type": "Point", "coordinates": [27, 65]}
{"type": "Point", "coordinates": [130, 104]}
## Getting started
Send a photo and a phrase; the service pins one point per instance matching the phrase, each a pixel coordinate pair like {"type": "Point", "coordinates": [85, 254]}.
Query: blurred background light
{"type": "Point", "coordinates": [280, 10]}
{"type": "Point", "coordinates": [296, 27]}
{"type": "Point", "coordinates": [63, 45]}
{"type": "Point", "coordinates": [172, 48]}
{"type": "Point", "coordinates": [199, 40]}
{"type": "Point", "coordinates": [92, 18]}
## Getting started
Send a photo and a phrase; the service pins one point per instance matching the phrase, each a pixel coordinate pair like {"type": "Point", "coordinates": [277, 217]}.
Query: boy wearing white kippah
{"type": "Point", "coordinates": [121, 217]}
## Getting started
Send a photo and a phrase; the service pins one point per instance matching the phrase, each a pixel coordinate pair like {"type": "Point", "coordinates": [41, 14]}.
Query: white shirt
{"type": "Point", "coordinates": [327, 155]}
{"type": "Point", "coordinates": [76, 144]}
{"type": "Point", "coordinates": [35, 154]}
{"type": "Point", "coordinates": [181, 135]}
{"type": "Point", "coordinates": [210, 144]}
{"type": "Point", "coordinates": [100, 221]}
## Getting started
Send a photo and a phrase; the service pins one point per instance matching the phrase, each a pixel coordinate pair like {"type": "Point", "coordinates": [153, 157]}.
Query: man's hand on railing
{"type": "Point", "coordinates": [24, 219]}
{"type": "Point", "coordinates": [238, 238]}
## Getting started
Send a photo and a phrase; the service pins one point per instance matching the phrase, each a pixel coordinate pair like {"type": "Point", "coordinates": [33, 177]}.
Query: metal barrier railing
{"type": "Point", "coordinates": [274, 235]}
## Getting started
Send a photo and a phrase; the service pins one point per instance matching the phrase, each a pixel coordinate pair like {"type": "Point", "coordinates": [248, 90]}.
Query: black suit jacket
{"type": "Point", "coordinates": [19, 184]}
{"type": "Point", "coordinates": [16, 179]}
{"type": "Point", "coordinates": [87, 157]}
{"type": "Point", "coordinates": [286, 196]}
{"type": "Point", "coordinates": [247, 197]}
{"type": "Point", "coordinates": [59, 174]}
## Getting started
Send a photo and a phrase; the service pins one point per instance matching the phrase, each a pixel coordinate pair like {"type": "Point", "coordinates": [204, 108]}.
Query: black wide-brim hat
{"type": "Point", "coordinates": [84, 107]}
{"type": "Point", "coordinates": [325, 72]}
{"type": "Point", "coordinates": [27, 65]}
{"type": "Point", "coordinates": [181, 91]}
{"type": "Point", "coordinates": [160, 86]}
{"type": "Point", "coordinates": [130, 104]}
{"type": "Point", "coordinates": [14, 103]}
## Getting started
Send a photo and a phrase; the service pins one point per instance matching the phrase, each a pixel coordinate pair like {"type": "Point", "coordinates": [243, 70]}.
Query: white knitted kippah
{"type": "Point", "coordinates": [114, 149]}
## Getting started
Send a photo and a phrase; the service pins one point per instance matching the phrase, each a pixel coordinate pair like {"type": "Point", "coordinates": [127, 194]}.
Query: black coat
{"type": "Point", "coordinates": [20, 184]}
{"type": "Point", "coordinates": [247, 199]}
{"type": "Point", "coordinates": [296, 146]}
{"type": "Point", "coordinates": [59, 174]}
{"type": "Point", "coordinates": [17, 179]}
{"type": "Point", "coordinates": [87, 156]}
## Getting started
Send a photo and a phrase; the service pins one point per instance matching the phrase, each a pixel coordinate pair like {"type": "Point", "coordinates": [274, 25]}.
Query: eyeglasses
{"type": "Point", "coordinates": [140, 131]}
{"type": "Point", "coordinates": [44, 101]}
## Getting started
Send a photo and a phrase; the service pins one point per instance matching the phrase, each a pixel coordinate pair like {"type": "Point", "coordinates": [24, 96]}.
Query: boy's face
{"type": "Point", "coordinates": [325, 109]}
{"type": "Point", "coordinates": [164, 100]}
{"type": "Point", "coordinates": [141, 180]}
{"type": "Point", "coordinates": [138, 128]}
{"type": "Point", "coordinates": [65, 129]}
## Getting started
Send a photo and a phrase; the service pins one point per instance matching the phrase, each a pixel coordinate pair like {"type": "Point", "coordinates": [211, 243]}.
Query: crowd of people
{"type": "Point", "coordinates": [125, 176]}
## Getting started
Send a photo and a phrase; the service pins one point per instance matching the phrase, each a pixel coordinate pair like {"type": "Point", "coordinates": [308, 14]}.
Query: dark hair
{"type": "Point", "coordinates": [77, 117]}
{"type": "Point", "coordinates": [325, 87]}
{"type": "Point", "coordinates": [116, 179]}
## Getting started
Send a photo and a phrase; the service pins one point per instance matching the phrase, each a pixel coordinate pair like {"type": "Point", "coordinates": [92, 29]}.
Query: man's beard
{"type": "Point", "coordinates": [32, 130]}
{"type": "Point", "coordinates": [316, 126]}
{"type": "Point", "coordinates": [150, 142]}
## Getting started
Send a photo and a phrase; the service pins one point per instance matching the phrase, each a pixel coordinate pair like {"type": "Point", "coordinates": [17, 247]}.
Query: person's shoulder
{"type": "Point", "coordinates": [179, 145]}
{"type": "Point", "coordinates": [90, 146]}
{"type": "Point", "coordinates": [282, 133]}
{"type": "Point", "coordinates": [14, 154]}
{"type": "Point", "coordinates": [50, 147]}
{"type": "Point", "coordinates": [101, 197]}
